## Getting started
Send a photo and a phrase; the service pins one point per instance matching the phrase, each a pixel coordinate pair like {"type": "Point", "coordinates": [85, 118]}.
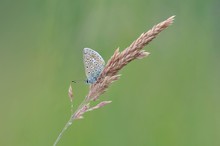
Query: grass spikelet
{"type": "Point", "coordinates": [110, 72]}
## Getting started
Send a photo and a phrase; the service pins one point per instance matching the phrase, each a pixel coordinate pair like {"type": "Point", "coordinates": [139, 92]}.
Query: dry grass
{"type": "Point", "coordinates": [120, 59]}
{"type": "Point", "coordinates": [110, 72]}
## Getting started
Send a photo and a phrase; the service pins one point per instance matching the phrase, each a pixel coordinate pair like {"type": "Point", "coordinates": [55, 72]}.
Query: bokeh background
{"type": "Point", "coordinates": [167, 99]}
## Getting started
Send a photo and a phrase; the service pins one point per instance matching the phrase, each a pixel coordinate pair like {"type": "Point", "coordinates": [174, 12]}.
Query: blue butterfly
{"type": "Point", "coordinates": [94, 65]}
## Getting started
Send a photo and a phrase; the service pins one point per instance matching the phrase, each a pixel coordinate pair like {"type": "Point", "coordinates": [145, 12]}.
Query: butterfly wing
{"type": "Point", "coordinates": [94, 64]}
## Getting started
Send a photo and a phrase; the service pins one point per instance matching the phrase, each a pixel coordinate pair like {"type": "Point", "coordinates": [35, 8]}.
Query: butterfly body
{"type": "Point", "coordinates": [94, 64]}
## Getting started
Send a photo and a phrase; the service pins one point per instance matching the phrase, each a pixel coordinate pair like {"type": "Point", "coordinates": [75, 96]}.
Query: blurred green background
{"type": "Point", "coordinates": [170, 98]}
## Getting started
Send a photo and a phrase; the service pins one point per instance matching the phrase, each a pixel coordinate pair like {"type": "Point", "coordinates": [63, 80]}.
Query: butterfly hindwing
{"type": "Point", "coordinates": [94, 64]}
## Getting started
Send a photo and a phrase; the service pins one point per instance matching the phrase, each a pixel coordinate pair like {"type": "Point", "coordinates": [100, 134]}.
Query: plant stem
{"type": "Point", "coordinates": [64, 129]}
{"type": "Point", "coordinates": [70, 121]}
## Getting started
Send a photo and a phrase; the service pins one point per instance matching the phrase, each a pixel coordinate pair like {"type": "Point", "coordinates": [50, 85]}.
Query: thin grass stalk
{"type": "Point", "coordinates": [110, 72]}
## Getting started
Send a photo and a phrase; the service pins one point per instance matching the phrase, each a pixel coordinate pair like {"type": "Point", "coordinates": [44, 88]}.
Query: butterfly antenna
{"type": "Point", "coordinates": [76, 81]}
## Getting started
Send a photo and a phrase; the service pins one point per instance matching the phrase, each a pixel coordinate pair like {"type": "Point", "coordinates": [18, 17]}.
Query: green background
{"type": "Point", "coordinates": [170, 98]}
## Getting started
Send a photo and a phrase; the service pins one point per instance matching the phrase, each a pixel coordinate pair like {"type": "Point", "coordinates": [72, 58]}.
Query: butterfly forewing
{"type": "Point", "coordinates": [94, 64]}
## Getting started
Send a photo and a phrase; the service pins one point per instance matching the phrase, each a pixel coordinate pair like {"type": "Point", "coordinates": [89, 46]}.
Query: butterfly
{"type": "Point", "coordinates": [94, 65]}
